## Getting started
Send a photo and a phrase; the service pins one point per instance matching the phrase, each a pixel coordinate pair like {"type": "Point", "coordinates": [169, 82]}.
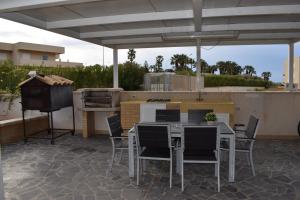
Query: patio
{"type": "Point", "coordinates": [76, 169]}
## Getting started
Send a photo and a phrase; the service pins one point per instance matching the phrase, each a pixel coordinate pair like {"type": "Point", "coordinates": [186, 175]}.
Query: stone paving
{"type": "Point", "coordinates": [75, 169]}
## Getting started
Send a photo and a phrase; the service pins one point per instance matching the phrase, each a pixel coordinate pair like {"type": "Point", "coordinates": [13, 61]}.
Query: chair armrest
{"type": "Point", "coordinates": [239, 125]}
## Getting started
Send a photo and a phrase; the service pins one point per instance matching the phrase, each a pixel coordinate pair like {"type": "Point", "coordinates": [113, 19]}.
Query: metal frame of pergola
{"type": "Point", "coordinates": [122, 24]}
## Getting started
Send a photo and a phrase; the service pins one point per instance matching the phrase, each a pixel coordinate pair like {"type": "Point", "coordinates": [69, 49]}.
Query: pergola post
{"type": "Point", "coordinates": [291, 66]}
{"type": "Point", "coordinates": [116, 69]}
{"type": "Point", "coordinates": [198, 65]}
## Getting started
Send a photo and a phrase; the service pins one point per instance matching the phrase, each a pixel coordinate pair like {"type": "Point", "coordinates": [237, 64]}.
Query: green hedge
{"type": "Point", "coordinates": [130, 75]}
{"type": "Point", "coordinates": [235, 80]}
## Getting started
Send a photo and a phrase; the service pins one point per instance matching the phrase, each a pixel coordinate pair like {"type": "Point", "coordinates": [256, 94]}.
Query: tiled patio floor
{"type": "Point", "coordinates": [76, 169]}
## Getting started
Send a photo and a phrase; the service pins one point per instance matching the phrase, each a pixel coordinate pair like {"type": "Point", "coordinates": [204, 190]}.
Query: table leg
{"type": "Point", "coordinates": [130, 155]}
{"type": "Point", "coordinates": [231, 159]}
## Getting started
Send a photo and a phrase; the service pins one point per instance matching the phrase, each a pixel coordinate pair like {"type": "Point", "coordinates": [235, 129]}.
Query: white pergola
{"type": "Point", "coordinates": [122, 24]}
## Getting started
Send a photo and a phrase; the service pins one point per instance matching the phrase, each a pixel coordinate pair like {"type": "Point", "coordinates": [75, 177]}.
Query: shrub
{"type": "Point", "coordinates": [130, 75]}
{"type": "Point", "coordinates": [235, 80]}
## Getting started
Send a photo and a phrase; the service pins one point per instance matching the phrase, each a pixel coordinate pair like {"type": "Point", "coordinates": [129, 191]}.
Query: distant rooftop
{"type": "Point", "coordinates": [31, 47]}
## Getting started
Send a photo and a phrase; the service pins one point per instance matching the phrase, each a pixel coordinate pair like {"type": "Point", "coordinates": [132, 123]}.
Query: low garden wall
{"type": "Point", "coordinates": [11, 130]}
{"type": "Point", "coordinates": [279, 111]}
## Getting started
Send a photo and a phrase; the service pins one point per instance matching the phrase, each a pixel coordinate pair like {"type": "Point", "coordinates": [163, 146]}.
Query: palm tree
{"type": "Point", "coordinates": [179, 61]}
{"type": "Point", "coordinates": [158, 64]}
{"type": "Point", "coordinates": [266, 76]}
{"type": "Point", "coordinates": [131, 55]}
{"type": "Point", "coordinates": [249, 70]}
{"type": "Point", "coordinates": [229, 67]}
{"type": "Point", "coordinates": [211, 69]}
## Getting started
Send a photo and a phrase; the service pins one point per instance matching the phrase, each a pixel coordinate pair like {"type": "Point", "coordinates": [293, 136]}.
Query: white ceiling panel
{"type": "Point", "coordinates": [51, 14]}
{"type": "Point", "coordinates": [112, 7]}
{"type": "Point", "coordinates": [150, 23]}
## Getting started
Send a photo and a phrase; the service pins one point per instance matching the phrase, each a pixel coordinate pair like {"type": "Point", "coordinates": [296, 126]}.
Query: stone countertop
{"type": "Point", "coordinates": [178, 102]}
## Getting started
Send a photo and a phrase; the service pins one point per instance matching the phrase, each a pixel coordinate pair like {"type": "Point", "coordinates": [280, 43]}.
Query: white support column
{"type": "Point", "coordinates": [116, 69]}
{"type": "Point", "coordinates": [291, 66]}
{"type": "Point", "coordinates": [198, 65]}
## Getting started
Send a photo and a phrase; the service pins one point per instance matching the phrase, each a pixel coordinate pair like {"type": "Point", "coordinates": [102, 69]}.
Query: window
{"type": "Point", "coordinates": [45, 57]}
{"type": "Point", "coordinates": [26, 56]}
{"type": "Point", "coordinates": [3, 56]}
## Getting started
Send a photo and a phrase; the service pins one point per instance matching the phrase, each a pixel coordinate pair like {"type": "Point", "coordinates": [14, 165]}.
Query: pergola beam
{"type": "Point", "coordinates": [17, 5]}
{"type": "Point", "coordinates": [141, 31]}
{"type": "Point", "coordinates": [253, 26]}
{"type": "Point", "coordinates": [116, 19]}
{"type": "Point", "coordinates": [192, 43]}
{"type": "Point", "coordinates": [197, 14]}
{"type": "Point", "coordinates": [197, 11]}
{"type": "Point", "coordinates": [21, 18]}
{"type": "Point", "coordinates": [132, 41]}
{"type": "Point", "coordinates": [191, 29]}
{"type": "Point", "coordinates": [251, 11]}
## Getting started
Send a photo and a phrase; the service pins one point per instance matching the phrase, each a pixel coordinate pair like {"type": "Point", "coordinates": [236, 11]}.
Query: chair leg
{"type": "Point", "coordinates": [218, 176]}
{"type": "Point", "coordinates": [248, 159]}
{"type": "Point", "coordinates": [121, 154]}
{"type": "Point", "coordinates": [171, 172]}
{"type": "Point", "coordinates": [137, 171]}
{"type": "Point", "coordinates": [182, 176]}
{"type": "Point", "coordinates": [252, 164]}
{"type": "Point", "coordinates": [112, 158]}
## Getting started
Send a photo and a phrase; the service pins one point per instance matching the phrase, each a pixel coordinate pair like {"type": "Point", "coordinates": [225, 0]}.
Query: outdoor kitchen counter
{"type": "Point", "coordinates": [132, 113]}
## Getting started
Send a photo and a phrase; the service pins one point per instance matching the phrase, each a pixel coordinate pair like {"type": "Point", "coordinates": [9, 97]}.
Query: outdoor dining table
{"type": "Point", "coordinates": [226, 132]}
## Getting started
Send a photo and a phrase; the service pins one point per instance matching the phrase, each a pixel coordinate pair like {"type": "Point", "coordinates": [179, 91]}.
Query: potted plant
{"type": "Point", "coordinates": [210, 118]}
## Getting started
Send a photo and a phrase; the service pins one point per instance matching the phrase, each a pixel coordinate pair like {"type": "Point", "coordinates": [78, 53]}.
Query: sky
{"type": "Point", "coordinates": [261, 57]}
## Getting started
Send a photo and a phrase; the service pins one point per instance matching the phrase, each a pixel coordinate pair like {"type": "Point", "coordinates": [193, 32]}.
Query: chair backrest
{"type": "Point", "coordinates": [200, 138]}
{"type": "Point", "coordinates": [251, 129]}
{"type": "Point", "coordinates": [197, 116]}
{"type": "Point", "coordinates": [114, 126]}
{"type": "Point", "coordinates": [153, 136]}
{"type": "Point", "coordinates": [169, 115]}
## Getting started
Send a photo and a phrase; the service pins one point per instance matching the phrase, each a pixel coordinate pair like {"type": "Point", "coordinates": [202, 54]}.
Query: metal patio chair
{"type": "Point", "coordinates": [245, 139]}
{"type": "Point", "coordinates": [117, 139]}
{"type": "Point", "coordinates": [200, 144]}
{"type": "Point", "coordinates": [168, 115]}
{"type": "Point", "coordinates": [153, 143]}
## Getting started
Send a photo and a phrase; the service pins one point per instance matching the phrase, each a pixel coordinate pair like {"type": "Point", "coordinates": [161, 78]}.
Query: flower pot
{"type": "Point", "coordinates": [211, 122]}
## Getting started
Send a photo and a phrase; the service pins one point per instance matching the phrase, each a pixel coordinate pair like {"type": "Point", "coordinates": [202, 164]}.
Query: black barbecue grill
{"type": "Point", "coordinates": [47, 94]}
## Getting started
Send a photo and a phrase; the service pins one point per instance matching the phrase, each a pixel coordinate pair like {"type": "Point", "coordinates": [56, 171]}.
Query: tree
{"type": "Point", "coordinates": [249, 70]}
{"type": "Point", "coordinates": [181, 62]}
{"type": "Point", "coordinates": [158, 64]}
{"type": "Point", "coordinates": [146, 66]}
{"type": "Point", "coordinates": [229, 68]}
{"type": "Point", "coordinates": [266, 76]}
{"type": "Point", "coordinates": [131, 55]}
{"type": "Point", "coordinates": [211, 69]}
